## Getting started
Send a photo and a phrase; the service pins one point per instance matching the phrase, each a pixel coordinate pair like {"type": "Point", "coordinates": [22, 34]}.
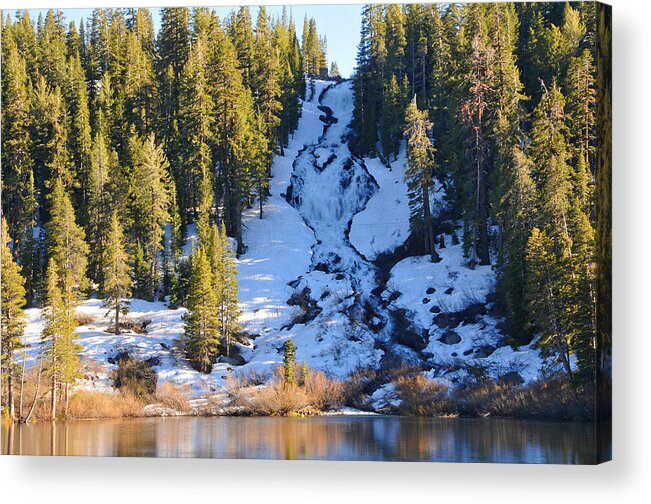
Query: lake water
{"type": "Point", "coordinates": [358, 437]}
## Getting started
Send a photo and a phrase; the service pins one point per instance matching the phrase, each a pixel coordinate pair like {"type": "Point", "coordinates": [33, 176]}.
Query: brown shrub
{"type": "Point", "coordinates": [278, 398]}
{"type": "Point", "coordinates": [174, 396]}
{"type": "Point", "coordinates": [358, 386]}
{"type": "Point", "coordinates": [138, 377]}
{"type": "Point", "coordinates": [422, 396]}
{"type": "Point", "coordinates": [323, 392]}
{"type": "Point", "coordinates": [92, 404]}
{"type": "Point", "coordinates": [83, 319]}
{"type": "Point", "coordinates": [553, 398]}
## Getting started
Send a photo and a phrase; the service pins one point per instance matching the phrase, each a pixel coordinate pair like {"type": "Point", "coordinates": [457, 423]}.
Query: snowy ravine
{"type": "Point", "coordinates": [311, 273]}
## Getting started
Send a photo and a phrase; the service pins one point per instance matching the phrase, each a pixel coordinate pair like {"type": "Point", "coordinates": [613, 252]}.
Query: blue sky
{"type": "Point", "coordinates": [339, 23]}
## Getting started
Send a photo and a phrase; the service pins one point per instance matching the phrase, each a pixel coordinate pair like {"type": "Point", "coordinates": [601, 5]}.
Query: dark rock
{"type": "Point", "coordinates": [449, 290]}
{"type": "Point", "coordinates": [165, 346]}
{"type": "Point", "coordinates": [470, 314]}
{"type": "Point", "coordinates": [294, 283]}
{"type": "Point", "coordinates": [450, 338]}
{"type": "Point", "coordinates": [322, 267]}
{"type": "Point", "coordinates": [374, 321]}
{"type": "Point", "coordinates": [394, 295]}
{"type": "Point", "coordinates": [425, 300]}
{"type": "Point", "coordinates": [288, 194]}
{"type": "Point", "coordinates": [447, 320]}
{"type": "Point", "coordinates": [454, 354]}
{"type": "Point", "coordinates": [325, 109]}
{"type": "Point", "coordinates": [309, 307]}
{"type": "Point", "coordinates": [153, 361]}
{"type": "Point", "coordinates": [467, 352]}
{"type": "Point", "coordinates": [484, 351]}
{"type": "Point", "coordinates": [511, 378]}
{"type": "Point", "coordinates": [404, 332]}
{"type": "Point", "coordinates": [340, 276]}
{"type": "Point", "coordinates": [435, 309]}
{"type": "Point", "coordinates": [430, 291]}
{"type": "Point", "coordinates": [233, 360]}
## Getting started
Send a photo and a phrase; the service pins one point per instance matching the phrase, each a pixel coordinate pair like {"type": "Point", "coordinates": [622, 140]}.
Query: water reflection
{"type": "Point", "coordinates": [324, 438]}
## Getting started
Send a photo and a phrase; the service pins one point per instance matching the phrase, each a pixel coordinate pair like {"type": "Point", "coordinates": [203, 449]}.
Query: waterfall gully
{"type": "Point", "coordinates": [329, 187]}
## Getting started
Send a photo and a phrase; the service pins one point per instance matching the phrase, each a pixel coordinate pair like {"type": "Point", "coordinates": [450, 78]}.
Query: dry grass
{"type": "Point", "coordinates": [278, 398]}
{"type": "Point", "coordinates": [84, 319]}
{"type": "Point", "coordinates": [422, 396]}
{"type": "Point", "coordinates": [551, 399]}
{"type": "Point", "coordinates": [174, 396]}
{"type": "Point", "coordinates": [91, 404]}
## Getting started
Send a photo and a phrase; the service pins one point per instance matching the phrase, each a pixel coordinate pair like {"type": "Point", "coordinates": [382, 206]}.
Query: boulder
{"type": "Point", "coordinates": [484, 351]}
{"type": "Point", "coordinates": [450, 338]}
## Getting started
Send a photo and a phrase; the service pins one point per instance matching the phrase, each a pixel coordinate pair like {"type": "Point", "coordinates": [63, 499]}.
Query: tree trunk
{"type": "Point", "coordinates": [38, 387]}
{"type": "Point", "coordinates": [10, 392]}
{"type": "Point", "coordinates": [152, 275]}
{"type": "Point", "coordinates": [117, 317]}
{"type": "Point", "coordinates": [482, 203]}
{"type": "Point", "coordinates": [53, 400]}
{"type": "Point", "coordinates": [237, 215]}
{"type": "Point", "coordinates": [429, 242]}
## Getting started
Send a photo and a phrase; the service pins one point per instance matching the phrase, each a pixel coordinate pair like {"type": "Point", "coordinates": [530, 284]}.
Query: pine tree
{"type": "Point", "coordinates": [392, 119]}
{"type": "Point", "coordinates": [196, 115]}
{"type": "Point", "coordinates": [396, 41]}
{"type": "Point", "coordinates": [60, 350]}
{"type": "Point", "coordinates": [52, 49]}
{"type": "Point", "coordinates": [544, 296]}
{"type": "Point", "coordinates": [201, 336]}
{"type": "Point", "coordinates": [266, 79]}
{"type": "Point", "coordinates": [334, 70]}
{"type": "Point", "coordinates": [12, 319]}
{"type": "Point", "coordinates": [139, 87]}
{"type": "Point", "coordinates": [49, 137]}
{"type": "Point", "coordinates": [150, 198]}
{"type": "Point", "coordinates": [66, 245]}
{"type": "Point", "coordinates": [234, 122]}
{"type": "Point", "coordinates": [289, 360]}
{"type": "Point", "coordinates": [474, 109]}
{"type": "Point", "coordinates": [224, 270]}
{"type": "Point", "coordinates": [230, 293]}
{"type": "Point", "coordinates": [581, 99]}
{"type": "Point", "coordinates": [103, 165]}
{"type": "Point", "coordinates": [173, 44]}
{"type": "Point", "coordinates": [79, 139]}
{"type": "Point", "coordinates": [241, 31]}
{"type": "Point", "coordinates": [513, 195]}
{"type": "Point", "coordinates": [418, 174]}
{"type": "Point", "coordinates": [18, 197]}
{"type": "Point", "coordinates": [116, 271]}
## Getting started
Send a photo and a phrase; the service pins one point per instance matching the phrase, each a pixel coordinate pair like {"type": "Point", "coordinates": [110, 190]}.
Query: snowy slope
{"type": "Point", "coordinates": [384, 224]}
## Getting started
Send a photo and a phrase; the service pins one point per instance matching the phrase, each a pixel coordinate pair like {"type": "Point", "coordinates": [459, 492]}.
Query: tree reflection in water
{"type": "Point", "coordinates": [320, 438]}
